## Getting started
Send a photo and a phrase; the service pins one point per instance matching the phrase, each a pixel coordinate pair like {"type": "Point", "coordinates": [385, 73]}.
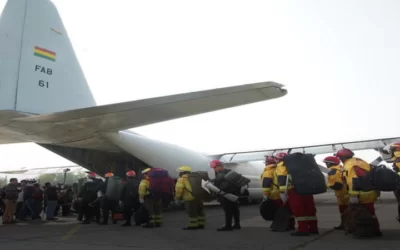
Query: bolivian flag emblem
{"type": "Point", "coordinates": [44, 53]}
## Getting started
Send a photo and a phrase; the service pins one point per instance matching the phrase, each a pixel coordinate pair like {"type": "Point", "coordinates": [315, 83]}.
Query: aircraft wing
{"type": "Point", "coordinates": [83, 124]}
{"type": "Point", "coordinates": [241, 157]}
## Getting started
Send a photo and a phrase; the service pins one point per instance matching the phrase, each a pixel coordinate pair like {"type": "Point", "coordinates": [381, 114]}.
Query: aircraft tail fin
{"type": "Point", "coordinates": [39, 71]}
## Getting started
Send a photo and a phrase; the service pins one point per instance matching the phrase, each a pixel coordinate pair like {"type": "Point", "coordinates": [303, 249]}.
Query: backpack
{"type": "Point", "coordinates": [195, 182]}
{"type": "Point", "coordinates": [114, 188]}
{"type": "Point", "coordinates": [385, 179]}
{"type": "Point", "coordinates": [366, 178]}
{"type": "Point", "coordinates": [306, 175]}
{"type": "Point", "coordinates": [161, 185]}
{"type": "Point", "coordinates": [358, 221]}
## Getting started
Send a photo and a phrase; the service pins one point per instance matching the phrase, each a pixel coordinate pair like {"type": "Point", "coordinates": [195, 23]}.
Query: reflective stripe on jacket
{"type": "Point", "coordinates": [270, 184]}
{"type": "Point", "coordinates": [353, 181]}
{"type": "Point", "coordinates": [336, 182]}
{"type": "Point", "coordinates": [282, 173]}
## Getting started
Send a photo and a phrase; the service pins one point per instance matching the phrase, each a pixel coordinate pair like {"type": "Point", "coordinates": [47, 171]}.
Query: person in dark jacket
{"type": "Point", "coordinates": [89, 197]}
{"type": "Point", "coordinates": [108, 204]}
{"type": "Point", "coordinates": [231, 209]}
{"type": "Point", "coordinates": [50, 200]}
{"type": "Point", "coordinates": [130, 197]}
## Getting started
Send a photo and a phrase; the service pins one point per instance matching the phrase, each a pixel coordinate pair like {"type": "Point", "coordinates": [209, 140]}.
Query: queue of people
{"type": "Point", "coordinates": [28, 200]}
{"type": "Point", "coordinates": [343, 177]}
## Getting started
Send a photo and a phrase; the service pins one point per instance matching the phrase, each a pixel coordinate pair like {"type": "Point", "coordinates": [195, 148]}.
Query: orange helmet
{"type": "Point", "coordinates": [215, 163]}
{"type": "Point", "coordinates": [91, 175]}
{"type": "Point", "coordinates": [109, 174]}
{"type": "Point", "coordinates": [130, 173]}
{"type": "Point", "coordinates": [332, 160]}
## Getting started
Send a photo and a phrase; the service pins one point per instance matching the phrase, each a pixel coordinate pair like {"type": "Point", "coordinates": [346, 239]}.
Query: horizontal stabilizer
{"type": "Point", "coordinates": [132, 114]}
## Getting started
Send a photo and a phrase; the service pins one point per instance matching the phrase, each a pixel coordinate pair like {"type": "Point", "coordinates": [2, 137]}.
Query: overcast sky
{"type": "Point", "coordinates": [338, 59]}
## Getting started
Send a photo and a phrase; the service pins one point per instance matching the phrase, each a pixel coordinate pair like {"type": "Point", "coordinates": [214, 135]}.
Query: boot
{"type": "Point", "coordinates": [237, 226]}
{"type": "Point", "coordinates": [341, 226]}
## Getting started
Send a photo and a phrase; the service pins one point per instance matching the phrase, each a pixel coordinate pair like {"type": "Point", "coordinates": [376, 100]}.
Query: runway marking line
{"type": "Point", "coordinates": [71, 232]}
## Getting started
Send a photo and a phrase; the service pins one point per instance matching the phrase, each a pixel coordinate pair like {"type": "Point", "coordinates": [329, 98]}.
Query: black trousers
{"type": "Point", "coordinates": [129, 206]}
{"type": "Point", "coordinates": [109, 205]}
{"type": "Point", "coordinates": [232, 211]}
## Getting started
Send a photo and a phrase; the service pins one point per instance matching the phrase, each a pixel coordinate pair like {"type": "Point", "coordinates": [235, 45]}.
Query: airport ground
{"type": "Point", "coordinates": [68, 234]}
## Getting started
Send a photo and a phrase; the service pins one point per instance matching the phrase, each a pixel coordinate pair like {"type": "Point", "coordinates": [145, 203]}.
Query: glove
{"type": "Point", "coordinates": [265, 197]}
{"type": "Point", "coordinates": [354, 200]}
{"type": "Point", "coordinates": [284, 197]}
{"type": "Point", "coordinates": [242, 189]}
{"type": "Point", "coordinates": [141, 200]}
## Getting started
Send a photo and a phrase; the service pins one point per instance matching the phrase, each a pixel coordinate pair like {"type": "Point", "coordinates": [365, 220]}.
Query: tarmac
{"type": "Point", "coordinates": [68, 234]}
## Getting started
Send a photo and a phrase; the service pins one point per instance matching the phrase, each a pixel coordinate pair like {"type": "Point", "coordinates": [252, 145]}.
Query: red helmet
{"type": "Point", "coordinates": [270, 159]}
{"type": "Point", "coordinates": [215, 163]}
{"type": "Point", "coordinates": [344, 153]}
{"type": "Point", "coordinates": [91, 175]}
{"type": "Point", "coordinates": [332, 159]}
{"type": "Point", "coordinates": [279, 156]}
{"type": "Point", "coordinates": [130, 173]}
{"type": "Point", "coordinates": [395, 146]}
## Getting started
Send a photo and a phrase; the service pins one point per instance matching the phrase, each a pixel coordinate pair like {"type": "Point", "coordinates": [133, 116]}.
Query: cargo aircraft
{"type": "Point", "coordinates": [45, 99]}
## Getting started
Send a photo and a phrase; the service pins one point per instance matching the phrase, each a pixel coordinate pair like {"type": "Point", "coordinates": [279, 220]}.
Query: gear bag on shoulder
{"type": "Point", "coordinates": [161, 185]}
{"type": "Point", "coordinates": [195, 182]}
{"type": "Point", "coordinates": [306, 175]}
{"type": "Point", "coordinates": [114, 188]}
{"type": "Point", "coordinates": [385, 179]}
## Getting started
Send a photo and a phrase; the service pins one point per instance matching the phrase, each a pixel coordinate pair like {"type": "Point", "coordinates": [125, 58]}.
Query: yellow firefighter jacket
{"type": "Point", "coordinates": [353, 181]}
{"type": "Point", "coordinates": [270, 184]}
{"type": "Point", "coordinates": [183, 189]}
{"type": "Point", "coordinates": [336, 182]}
{"type": "Point", "coordinates": [144, 187]}
{"type": "Point", "coordinates": [282, 173]}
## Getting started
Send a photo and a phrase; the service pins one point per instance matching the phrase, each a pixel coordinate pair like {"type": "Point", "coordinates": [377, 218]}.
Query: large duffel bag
{"type": "Point", "coordinates": [306, 176]}
{"type": "Point", "coordinates": [385, 179]}
{"type": "Point", "coordinates": [236, 179]}
{"type": "Point", "coordinates": [268, 210]}
{"type": "Point", "coordinates": [114, 188]}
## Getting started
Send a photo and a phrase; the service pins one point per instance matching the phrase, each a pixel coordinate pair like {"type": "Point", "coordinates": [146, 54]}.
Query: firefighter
{"type": "Point", "coordinates": [336, 182]}
{"type": "Point", "coordinates": [152, 204]}
{"type": "Point", "coordinates": [231, 209]}
{"type": "Point", "coordinates": [89, 196]}
{"type": "Point", "coordinates": [302, 206]}
{"type": "Point", "coordinates": [107, 204]}
{"type": "Point", "coordinates": [395, 153]}
{"type": "Point", "coordinates": [353, 168]}
{"type": "Point", "coordinates": [270, 186]}
{"type": "Point", "coordinates": [193, 205]}
{"type": "Point", "coordinates": [129, 197]}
